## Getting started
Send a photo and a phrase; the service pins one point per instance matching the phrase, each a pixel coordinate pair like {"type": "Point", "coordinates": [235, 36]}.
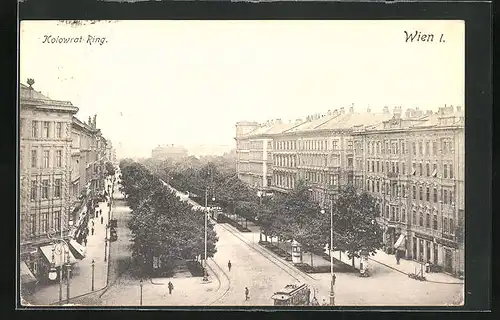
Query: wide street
{"type": "Point", "coordinates": [259, 270]}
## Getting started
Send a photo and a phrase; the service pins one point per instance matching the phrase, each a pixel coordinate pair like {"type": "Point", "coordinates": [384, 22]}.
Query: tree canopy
{"type": "Point", "coordinates": [355, 223]}
{"type": "Point", "coordinates": [162, 226]}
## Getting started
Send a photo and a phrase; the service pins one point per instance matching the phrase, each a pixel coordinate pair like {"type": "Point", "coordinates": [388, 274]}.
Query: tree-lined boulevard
{"type": "Point", "coordinates": [263, 272]}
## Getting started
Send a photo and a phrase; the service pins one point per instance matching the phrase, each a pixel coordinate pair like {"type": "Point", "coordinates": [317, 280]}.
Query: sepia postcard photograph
{"type": "Point", "coordinates": [245, 163]}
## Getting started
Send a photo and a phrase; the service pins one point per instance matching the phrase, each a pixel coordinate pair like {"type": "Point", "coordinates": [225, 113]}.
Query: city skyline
{"type": "Point", "coordinates": [194, 78]}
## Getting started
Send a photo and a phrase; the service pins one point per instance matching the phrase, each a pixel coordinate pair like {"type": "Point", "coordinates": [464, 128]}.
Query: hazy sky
{"type": "Point", "coordinates": [189, 82]}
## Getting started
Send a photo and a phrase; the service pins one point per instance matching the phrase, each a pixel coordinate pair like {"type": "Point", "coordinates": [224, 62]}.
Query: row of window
{"type": "Point", "coordinates": [322, 178]}
{"type": "Point", "coordinates": [284, 180]}
{"type": "Point", "coordinates": [48, 221]}
{"type": "Point", "coordinates": [448, 226]}
{"type": "Point", "coordinates": [310, 145]}
{"type": "Point", "coordinates": [47, 129]}
{"type": "Point", "coordinates": [285, 161]}
{"type": "Point", "coordinates": [396, 190]}
{"type": "Point", "coordinates": [417, 169]}
{"type": "Point", "coordinates": [417, 147]}
{"type": "Point", "coordinates": [42, 189]}
{"type": "Point", "coordinates": [57, 163]}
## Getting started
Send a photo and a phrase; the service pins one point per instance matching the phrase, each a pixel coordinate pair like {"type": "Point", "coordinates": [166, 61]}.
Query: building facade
{"type": "Point", "coordinates": [413, 164]}
{"type": "Point", "coordinates": [45, 172]}
{"type": "Point", "coordinates": [61, 167]}
{"type": "Point", "coordinates": [254, 152]}
{"type": "Point", "coordinates": [169, 151]}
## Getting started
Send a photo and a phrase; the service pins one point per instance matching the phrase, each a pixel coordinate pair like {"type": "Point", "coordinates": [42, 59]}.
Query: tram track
{"type": "Point", "coordinates": [271, 257]}
{"type": "Point", "coordinates": [220, 282]}
{"type": "Point", "coordinates": [266, 254]}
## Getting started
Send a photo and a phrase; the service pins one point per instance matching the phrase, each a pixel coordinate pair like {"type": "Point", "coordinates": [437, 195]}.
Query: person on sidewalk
{"type": "Point", "coordinates": [93, 223]}
{"type": "Point", "coordinates": [92, 230]}
{"type": "Point", "coordinates": [102, 219]}
{"type": "Point", "coordinates": [85, 240]}
{"type": "Point", "coordinates": [397, 257]}
{"type": "Point", "coordinates": [170, 287]}
{"type": "Point", "coordinates": [229, 265]}
{"type": "Point", "coordinates": [246, 294]}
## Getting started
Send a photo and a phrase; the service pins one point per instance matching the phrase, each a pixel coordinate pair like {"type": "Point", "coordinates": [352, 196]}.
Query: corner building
{"type": "Point", "coordinates": [413, 164]}
{"type": "Point", "coordinates": [45, 175]}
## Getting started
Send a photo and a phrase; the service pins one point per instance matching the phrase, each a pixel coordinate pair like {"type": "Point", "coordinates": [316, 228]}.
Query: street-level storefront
{"type": "Point", "coordinates": [54, 256]}
{"type": "Point", "coordinates": [442, 253]}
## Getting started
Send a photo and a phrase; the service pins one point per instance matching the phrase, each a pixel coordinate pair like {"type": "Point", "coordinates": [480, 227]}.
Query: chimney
{"type": "Point", "coordinates": [335, 112]}
{"type": "Point", "coordinates": [94, 124]}
{"type": "Point", "coordinates": [397, 112]}
{"type": "Point", "coordinates": [386, 109]}
{"type": "Point", "coordinates": [459, 109]}
{"type": "Point", "coordinates": [278, 121]}
{"type": "Point", "coordinates": [329, 112]}
{"type": "Point", "coordinates": [90, 122]}
{"type": "Point", "coordinates": [298, 121]}
{"type": "Point", "coordinates": [342, 111]}
{"type": "Point", "coordinates": [351, 108]}
{"type": "Point", "coordinates": [368, 109]}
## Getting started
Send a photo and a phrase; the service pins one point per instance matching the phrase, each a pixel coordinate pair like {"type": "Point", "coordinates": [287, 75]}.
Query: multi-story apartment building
{"type": "Point", "coordinates": [87, 162]}
{"type": "Point", "coordinates": [45, 175]}
{"type": "Point", "coordinates": [414, 166]}
{"type": "Point", "coordinates": [319, 151]}
{"type": "Point", "coordinates": [255, 151]}
{"type": "Point", "coordinates": [61, 162]}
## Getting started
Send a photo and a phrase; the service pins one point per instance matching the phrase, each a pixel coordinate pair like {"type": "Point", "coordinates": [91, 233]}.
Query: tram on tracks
{"type": "Point", "coordinates": [293, 295]}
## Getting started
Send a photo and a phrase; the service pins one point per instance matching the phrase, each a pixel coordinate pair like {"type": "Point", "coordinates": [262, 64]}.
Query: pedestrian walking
{"type": "Point", "coordinates": [397, 257]}
{"type": "Point", "coordinates": [87, 231]}
{"type": "Point", "coordinates": [102, 219]}
{"type": "Point", "coordinates": [92, 223]}
{"type": "Point", "coordinates": [85, 241]}
{"type": "Point", "coordinates": [170, 287]}
{"type": "Point", "coordinates": [246, 294]}
{"type": "Point", "coordinates": [92, 230]}
{"type": "Point", "coordinates": [229, 265]}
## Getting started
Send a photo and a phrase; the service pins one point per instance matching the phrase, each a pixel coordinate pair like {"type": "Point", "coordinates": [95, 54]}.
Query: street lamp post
{"type": "Point", "coordinates": [106, 244]}
{"type": "Point", "coordinates": [332, 288]}
{"type": "Point", "coordinates": [68, 276]}
{"type": "Point", "coordinates": [63, 248]}
{"type": "Point", "coordinates": [93, 267]}
{"type": "Point", "coordinates": [332, 274]}
{"type": "Point", "coordinates": [140, 283]}
{"type": "Point", "coordinates": [205, 277]}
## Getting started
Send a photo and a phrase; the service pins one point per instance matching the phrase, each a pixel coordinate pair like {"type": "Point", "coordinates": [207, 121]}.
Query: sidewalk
{"type": "Point", "coordinates": [409, 266]}
{"type": "Point", "coordinates": [81, 272]}
{"type": "Point", "coordinates": [187, 290]}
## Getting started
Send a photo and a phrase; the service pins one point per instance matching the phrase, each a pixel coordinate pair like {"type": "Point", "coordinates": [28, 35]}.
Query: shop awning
{"type": "Point", "coordinates": [26, 274]}
{"type": "Point", "coordinates": [77, 249]}
{"type": "Point", "coordinates": [57, 259]}
{"type": "Point", "coordinates": [400, 244]}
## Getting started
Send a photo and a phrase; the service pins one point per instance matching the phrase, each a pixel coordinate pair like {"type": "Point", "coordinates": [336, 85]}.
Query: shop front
{"type": "Point", "coordinates": [53, 256]}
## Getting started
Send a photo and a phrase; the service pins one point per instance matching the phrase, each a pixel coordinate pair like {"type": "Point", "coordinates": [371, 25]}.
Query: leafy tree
{"type": "Point", "coordinates": [355, 224]}
{"type": "Point", "coordinates": [162, 226]}
{"type": "Point", "coordinates": [300, 218]}
{"type": "Point", "coordinates": [110, 169]}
